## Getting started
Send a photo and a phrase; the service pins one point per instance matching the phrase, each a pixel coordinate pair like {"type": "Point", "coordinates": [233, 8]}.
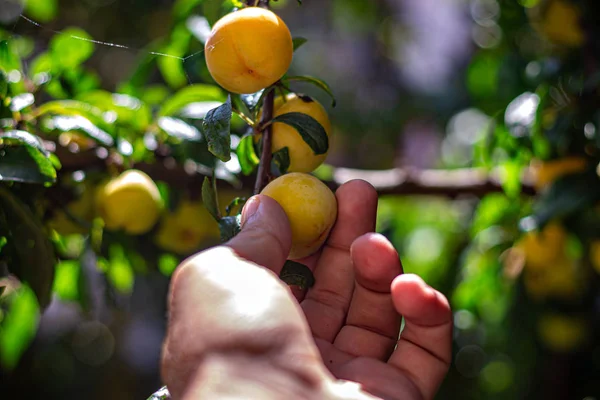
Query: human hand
{"type": "Point", "coordinates": [236, 331]}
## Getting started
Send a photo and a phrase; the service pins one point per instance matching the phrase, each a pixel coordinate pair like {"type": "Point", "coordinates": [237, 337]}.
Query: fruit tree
{"type": "Point", "coordinates": [110, 176]}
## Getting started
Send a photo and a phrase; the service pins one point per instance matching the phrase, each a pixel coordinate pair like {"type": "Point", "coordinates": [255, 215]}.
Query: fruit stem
{"type": "Point", "coordinates": [266, 155]}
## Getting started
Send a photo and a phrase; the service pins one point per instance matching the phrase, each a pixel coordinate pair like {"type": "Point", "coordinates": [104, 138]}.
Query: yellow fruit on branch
{"type": "Point", "coordinates": [559, 21]}
{"type": "Point", "coordinates": [302, 156]}
{"type": "Point", "coordinates": [249, 50]}
{"type": "Point", "coordinates": [546, 172]}
{"type": "Point", "coordinates": [187, 228]}
{"type": "Point", "coordinates": [130, 202]}
{"type": "Point", "coordinates": [311, 208]}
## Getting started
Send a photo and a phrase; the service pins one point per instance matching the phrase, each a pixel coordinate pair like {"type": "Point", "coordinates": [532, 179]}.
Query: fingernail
{"type": "Point", "coordinates": [250, 209]}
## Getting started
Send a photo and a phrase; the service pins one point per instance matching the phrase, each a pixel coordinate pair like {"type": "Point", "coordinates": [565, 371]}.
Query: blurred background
{"type": "Point", "coordinates": [505, 89]}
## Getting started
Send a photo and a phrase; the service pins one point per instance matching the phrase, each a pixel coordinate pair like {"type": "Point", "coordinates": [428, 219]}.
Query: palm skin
{"type": "Point", "coordinates": [344, 328]}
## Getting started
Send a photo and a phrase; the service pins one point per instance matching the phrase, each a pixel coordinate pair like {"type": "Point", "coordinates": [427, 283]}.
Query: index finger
{"type": "Point", "coordinates": [327, 302]}
{"type": "Point", "coordinates": [425, 346]}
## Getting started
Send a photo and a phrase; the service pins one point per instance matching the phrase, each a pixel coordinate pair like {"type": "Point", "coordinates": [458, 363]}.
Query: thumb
{"type": "Point", "coordinates": [266, 237]}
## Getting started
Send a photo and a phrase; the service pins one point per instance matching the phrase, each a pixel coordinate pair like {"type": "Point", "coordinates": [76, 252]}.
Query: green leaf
{"type": "Point", "coordinates": [298, 42]}
{"type": "Point", "coordinates": [8, 57]}
{"type": "Point", "coordinates": [252, 100]}
{"type": "Point", "coordinates": [510, 173]}
{"type": "Point", "coordinates": [66, 280]}
{"type": "Point", "coordinates": [229, 227]}
{"type": "Point", "coordinates": [71, 47]}
{"type": "Point", "coordinates": [74, 107]}
{"type": "Point", "coordinates": [21, 101]}
{"type": "Point", "coordinates": [18, 137]}
{"type": "Point", "coordinates": [246, 155]}
{"type": "Point", "coordinates": [35, 254]}
{"type": "Point", "coordinates": [41, 10]}
{"type": "Point", "coordinates": [3, 87]}
{"type": "Point", "coordinates": [309, 128]}
{"type": "Point", "coordinates": [209, 198]}
{"type": "Point", "coordinates": [216, 127]}
{"type": "Point", "coordinates": [23, 159]}
{"type": "Point", "coordinates": [296, 274]}
{"type": "Point", "coordinates": [281, 159]}
{"type": "Point", "coordinates": [183, 8]}
{"type": "Point", "coordinates": [191, 94]}
{"type": "Point", "coordinates": [19, 326]}
{"type": "Point", "coordinates": [238, 201]}
{"type": "Point", "coordinates": [129, 110]}
{"type": "Point", "coordinates": [120, 271]}
{"type": "Point", "coordinates": [20, 164]}
{"type": "Point", "coordinates": [167, 263]}
{"type": "Point", "coordinates": [171, 66]}
{"type": "Point", "coordinates": [77, 123]}
{"type": "Point", "coordinates": [240, 105]}
{"type": "Point", "coordinates": [179, 129]}
{"type": "Point", "coordinates": [316, 82]}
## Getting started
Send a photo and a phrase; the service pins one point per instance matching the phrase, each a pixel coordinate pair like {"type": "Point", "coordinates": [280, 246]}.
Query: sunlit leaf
{"type": "Point", "coordinates": [8, 58]}
{"type": "Point", "coordinates": [216, 127]}
{"type": "Point", "coordinates": [191, 94]}
{"type": "Point", "coordinates": [71, 47]}
{"type": "Point", "coordinates": [21, 101]}
{"type": "Point", "coordinates": [316, 82]}
{"type": "Point", "coordinates": [179, 129]}
{"type": "Point", "coordinates": [41, 10]}
{"type": "Point", "coordinates": [310, 129]}
{"type": "Point", "coordinates": [120, 271]}
{"type": "Point", "coordinates": [18, 327]}
{"type": "Point", "coordinates": [183, 8]}
{"type": "Point", "coordinates": [129, 110]}
{"type": "Point", "coordinates": [237, 202]}
{"type": "Point", "coordinates": [74, 107]}
{"type": "Point", "coordinates": [23, 159]}
{"type": "Point", "coordinates": [246, 155]}
{"type": "Point", "coordinates": [66, 280]}
{"type": "Point", "coordinates": [167, 263]}
{"type": "Point", "coordinates": [77, 123]}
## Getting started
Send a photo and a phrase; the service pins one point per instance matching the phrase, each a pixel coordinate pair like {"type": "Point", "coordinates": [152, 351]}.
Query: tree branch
{"type": "Point", "coordinates": [448, 183]}
{"type": "Point", "coordinates": [398, 181]}
{"type": "Point", "coordinates": [264, 166]}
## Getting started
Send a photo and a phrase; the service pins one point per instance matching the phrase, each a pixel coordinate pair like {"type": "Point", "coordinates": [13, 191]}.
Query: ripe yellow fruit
{"type": "Point", "coordinates": [562, 333]}
{"type": "Point", "coordinates": [130, 202]}
{"type": "Point", "coordinates": [82, 208]}
{"type": "Point", "coordinates": [186, 229]}
{"type": "Point", "coordinates": [546, 172]}
{"type": "Point", "coordinates": [311, 208]}
{"type": "Point", "coordinates": [302, 157]}
{"type": "Point", "coordinates": [542, 249]}
{"type": "Point", "coordinates": [559, 22]}
{"type": "Point", "coordinates": [249, 50]}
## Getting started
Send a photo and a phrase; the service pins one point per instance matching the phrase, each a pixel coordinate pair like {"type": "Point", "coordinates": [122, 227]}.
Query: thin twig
{"type": "Point", "coordinates": [265, 158]}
